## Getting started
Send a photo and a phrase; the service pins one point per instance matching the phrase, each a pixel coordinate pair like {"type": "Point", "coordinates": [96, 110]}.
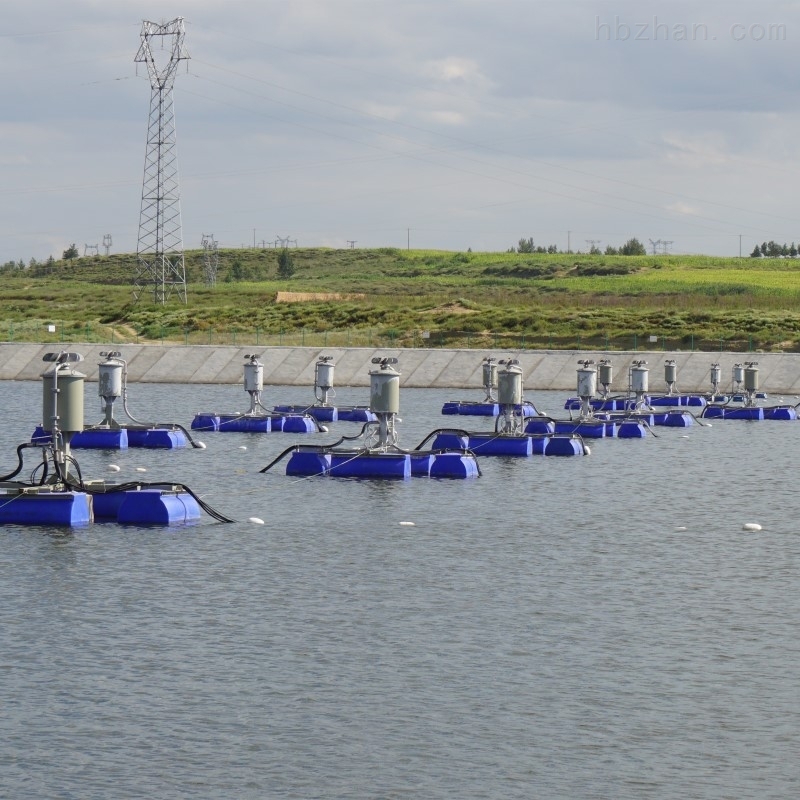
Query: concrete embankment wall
{"type": "Point", "coordinates": [424, 368]}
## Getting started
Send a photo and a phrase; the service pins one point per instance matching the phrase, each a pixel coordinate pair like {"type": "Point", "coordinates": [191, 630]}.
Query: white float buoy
{"type": "Point", "coordinates": [141, 469]}
{"type": "Point", "coordinates": [681, 528]}
{"type": "Point", "coordinates": [751, 526]}
{"type": "Point", "coordinates": [256, 520]}
{"type": "Point", "coordinates": [323, 429]}
{"type": "Point", "coordinates": [412, 524]}
{"type": "Point", "coordinates": [587, 449]}
{"type": "Point", "coordinates": [113, 467]}
{"type": "Point", "coordinates": [201, 446]}
{"type": "Point", "coordinates": [243, 447]}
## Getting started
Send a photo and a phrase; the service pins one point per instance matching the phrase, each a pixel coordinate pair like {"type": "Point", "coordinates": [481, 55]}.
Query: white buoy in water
{"type": "Point", "coordinates": [323, 429]}
{"type": "Point", "coordinates": [412, 524]}
{"type": "Point", "coordinates": [201, 446]}
{"type": "Point", "coordinates": [751, 526]}
{"type": "Point", "coordinates": [113, 468]}
{"type": "Point", "coordinates": [141, 469]}
{"type": "Point", "coordinates": [587, 449]}
{"type": "Point", "coordinates": [681, 528]}
{"type": "Point", "coordinates": [256, 520]}
{"type": "Point", "coordinates": [243, 447]}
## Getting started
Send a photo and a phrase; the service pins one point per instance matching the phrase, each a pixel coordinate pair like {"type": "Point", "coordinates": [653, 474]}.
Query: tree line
{"type": "Point", "coordinates": [633, 247]}
{"type": "Point", "coordinates": [772, 249]}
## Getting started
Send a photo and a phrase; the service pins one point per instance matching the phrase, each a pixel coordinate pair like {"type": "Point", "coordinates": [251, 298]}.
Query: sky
{"type": "Point", "coordinates": [435, 124]}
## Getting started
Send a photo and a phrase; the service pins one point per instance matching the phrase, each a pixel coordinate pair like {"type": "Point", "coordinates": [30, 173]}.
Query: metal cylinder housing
{"type": "Point", "coordinates": [323, 375]}
{"type": "Point", "coordinates": [509, 385]}
{"type": "Point", "coordinates": [62, 408]}
{"type": "Point", "coordinates": [384, 390]}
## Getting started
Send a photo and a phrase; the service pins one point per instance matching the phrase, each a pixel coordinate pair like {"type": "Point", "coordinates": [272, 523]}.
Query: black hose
{"type": "Point", "coordinates": [454, 431]}
{"type": "Point", "coordinates": [283, 455]}
{"type": "Point", "coordinates": [12, 475]}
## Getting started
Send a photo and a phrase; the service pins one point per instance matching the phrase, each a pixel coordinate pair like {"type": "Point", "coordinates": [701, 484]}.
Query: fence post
{"type": "Point", "coordinates": [634, 342]}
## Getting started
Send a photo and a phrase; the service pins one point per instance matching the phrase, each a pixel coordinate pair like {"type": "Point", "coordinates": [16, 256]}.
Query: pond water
{"type": "Point", "coordinates": [598, 627]}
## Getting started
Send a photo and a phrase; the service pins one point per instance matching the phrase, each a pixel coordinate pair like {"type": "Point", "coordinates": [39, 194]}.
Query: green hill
{"type": "Point", "coordinates": [389, 297]}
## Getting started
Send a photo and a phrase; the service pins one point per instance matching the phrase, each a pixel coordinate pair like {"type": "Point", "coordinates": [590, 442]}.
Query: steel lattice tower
{"type": "Point", "coordinates": [159, 252]}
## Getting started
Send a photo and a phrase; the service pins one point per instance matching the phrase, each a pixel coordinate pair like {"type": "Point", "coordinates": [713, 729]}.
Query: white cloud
{"type": "Point", "coordinates": [335, 120]}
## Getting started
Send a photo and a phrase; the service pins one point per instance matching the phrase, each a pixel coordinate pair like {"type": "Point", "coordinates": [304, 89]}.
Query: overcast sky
{"type": "Point", "coordinates": [444, 124]}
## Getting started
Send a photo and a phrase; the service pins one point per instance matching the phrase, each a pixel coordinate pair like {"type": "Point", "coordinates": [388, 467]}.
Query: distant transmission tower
{"type": "Point", "coordinates": [655, 244]}
{"type": "Point", "coordinates": [210, 259]}
{"type": "Point", "coordinates": [107, 242]}
{"type": "Point", "coordinates": [666, 246]}
{"type": "Point", "coordinates": [91, 249]}
{"type": "Point", "coordinates": [160, 262]}
{"type": "Point", "coordinates": [593, 243]}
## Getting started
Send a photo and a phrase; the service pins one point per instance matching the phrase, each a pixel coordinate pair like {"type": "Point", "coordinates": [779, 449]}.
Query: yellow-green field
{"type": "Point", "coordinates": [420, 298]}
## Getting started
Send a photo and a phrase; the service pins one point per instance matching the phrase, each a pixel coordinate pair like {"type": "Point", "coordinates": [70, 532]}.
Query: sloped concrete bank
{"type": "Point", "coordinates": [423, 368]}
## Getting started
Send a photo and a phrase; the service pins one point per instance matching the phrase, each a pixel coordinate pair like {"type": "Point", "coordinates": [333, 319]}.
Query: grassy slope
{"type": "Point", "coordinates": [562, 298]}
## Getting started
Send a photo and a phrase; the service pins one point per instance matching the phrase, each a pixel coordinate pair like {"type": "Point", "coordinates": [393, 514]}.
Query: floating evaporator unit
{"type": "Point", "coordinates": [323, 410]}
{"type": "Point", "coordinates": [375, 452]}
{"type": "Point", "coordinates": [490, 406]}
{"type": "Point", "coordinates": [257, 418]}
{"type": "Point", "coordinates": [515, 434]}
{"type": "Point", "coordinates": [744, 400]}
{"type": "Point", "coordinates": [112, 385]}
{"type": "Point", "coordinates": [58, 494]}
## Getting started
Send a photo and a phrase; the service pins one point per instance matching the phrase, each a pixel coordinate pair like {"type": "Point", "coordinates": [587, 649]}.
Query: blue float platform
{"type": "Point", "coordinates": [484, 409]}
{"type": "Point", "coordinates": [44, 506]}
{"type": "Point", "coordinates": [118, 439]}
{"type": "Point", "coordinates": [590, 429]}
{"type": "Point", "coordinates": [600, 404]}
{"type": "Point", "coordinates": [673, 419]}
{"type": "Point", "coordinates": [150, 506]}
{"type": "Point", "coordinates": [677, 401]}
{"type": "Point", "coordinates": [319, 413]}
{"type": "Point", "coordinates": [254, 423]}
{"type": "Point", "coordinates": [330, 413]}
{"type": "Point", "coordinates": [495, 444]}
{"type": "Point", "coordinates": [780, 412]}
{"type": "Point", "coordinates": [753, 413]}
{"type": "Point", "coordinates": [381, 465]}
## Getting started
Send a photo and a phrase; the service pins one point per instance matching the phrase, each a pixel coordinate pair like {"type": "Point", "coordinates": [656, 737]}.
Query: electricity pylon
{"type": "Point", "coordinates": [160, 263]}
{"type": "Point", "coordinates": [210, 258]}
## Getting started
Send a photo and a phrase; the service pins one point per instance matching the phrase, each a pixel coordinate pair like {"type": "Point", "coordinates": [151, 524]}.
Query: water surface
{"type": "Point", "coordinates": [595, 627]}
